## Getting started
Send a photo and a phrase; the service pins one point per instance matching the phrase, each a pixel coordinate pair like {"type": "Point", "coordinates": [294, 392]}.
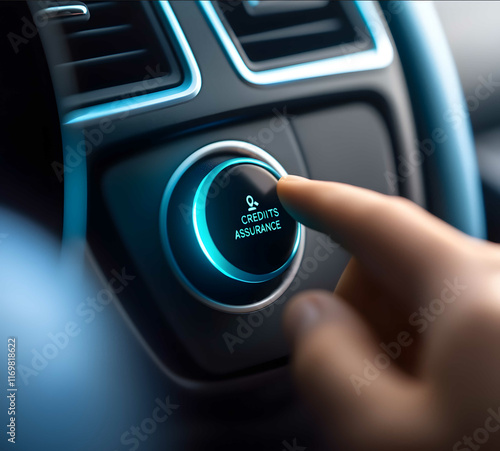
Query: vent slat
{"type": "Point", "coordinates": [121, 44]}
{"type": "Point", "coordinates": [96, 5]}
{"type": "Point", "coordinates": [294, 32]}
{"type": "Point", "coordinates": [279, 34]}
{"type": "Point", "coordinates": [99, 31]}
{"type": "Point", "coordinates": [107, 58]}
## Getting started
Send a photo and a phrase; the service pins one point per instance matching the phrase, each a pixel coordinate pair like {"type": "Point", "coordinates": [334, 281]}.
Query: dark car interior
{"type": "Point", "coordinates": [123, 122]}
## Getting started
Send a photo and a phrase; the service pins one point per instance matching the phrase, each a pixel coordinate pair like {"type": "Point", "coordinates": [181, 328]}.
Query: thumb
{"type": "Point", "coordinates": [357, 391]}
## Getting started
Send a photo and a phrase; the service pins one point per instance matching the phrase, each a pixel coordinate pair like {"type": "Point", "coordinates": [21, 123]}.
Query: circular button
{"type": "Point", "coordinates": [240, 224]}
{"type": "Point", "coordinates": [225, 234]}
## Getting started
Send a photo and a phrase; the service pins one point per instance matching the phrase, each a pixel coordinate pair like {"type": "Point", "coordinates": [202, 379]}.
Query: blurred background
{"type": "Point", "coordinates": [473, 33]}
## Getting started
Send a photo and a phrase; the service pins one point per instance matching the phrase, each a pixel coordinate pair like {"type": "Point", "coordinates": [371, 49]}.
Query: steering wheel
{"type": "Point", "coordinates": [441, 114]}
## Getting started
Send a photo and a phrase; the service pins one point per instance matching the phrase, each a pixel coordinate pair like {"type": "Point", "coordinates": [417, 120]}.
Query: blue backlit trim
{"type": "Point", "coordinates": [376, 58]}
{"type": "Point", "coordinates": [75, 200]}
{"type": "Point", "coordinates": [203, 233]}
{"type": "Point", "coordinates": [123, 108]}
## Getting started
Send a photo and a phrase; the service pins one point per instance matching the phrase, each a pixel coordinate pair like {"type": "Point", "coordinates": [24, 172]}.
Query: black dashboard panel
{"type": "Point", "coordinates": [349, 127]}
{"type": "Point", "coordinates": [350, 144]}
{"type": "Point", "coordinates": [194, 334]}
{"type": "Point", "coordinates": [223, 343]}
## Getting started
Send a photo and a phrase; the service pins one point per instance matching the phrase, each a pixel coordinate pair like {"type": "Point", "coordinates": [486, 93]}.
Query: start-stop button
{"type": "Point", "coordinates": [225, 234]}
{"type": "Point", "coordinates": [240, 224]}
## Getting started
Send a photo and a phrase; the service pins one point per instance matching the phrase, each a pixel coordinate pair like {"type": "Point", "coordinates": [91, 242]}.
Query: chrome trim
{"type": "Point", "coordinates": [63, 11]}
{"type": "Point", "coordinates": [120, 109]}
{"type": "Point", "coordinates": [244, 149]}
{"type": "Point", "coordinates": [378, 57]}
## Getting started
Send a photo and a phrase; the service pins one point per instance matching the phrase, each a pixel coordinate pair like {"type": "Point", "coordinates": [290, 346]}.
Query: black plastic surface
{"type": "Point", "coordinates": [222, 343]}
{"type": "Point", "coordinates": [30, 137]}
{"type": "Point", "coordinates": [247, 222]}
{"type": "Point", "coordinates": [189, 260]}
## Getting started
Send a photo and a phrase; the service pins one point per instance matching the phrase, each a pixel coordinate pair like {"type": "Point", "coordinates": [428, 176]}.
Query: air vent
{"type": "Point", "coordinates": [274, 41]}
{"type": "Point", "coordinates": [113, 59]}
{"type": "Point", "coordinates": [120, 45]}
{"type": "Point", "coordinates": [286, 32]}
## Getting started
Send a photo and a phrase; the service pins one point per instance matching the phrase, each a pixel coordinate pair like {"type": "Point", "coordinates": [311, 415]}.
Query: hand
{"type": "Point", "coordinates": [405, 354]}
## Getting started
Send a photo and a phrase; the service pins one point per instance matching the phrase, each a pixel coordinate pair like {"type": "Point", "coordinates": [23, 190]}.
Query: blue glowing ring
{"type": "Point", "coordinates": [205, 240]}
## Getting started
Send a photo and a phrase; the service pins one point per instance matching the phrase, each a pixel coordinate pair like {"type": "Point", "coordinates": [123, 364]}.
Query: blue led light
{"type": "Point", "coordinates": [255, 153]}
{"type": "Point", "coordinates": [378, 57]}
{"type": "Point", "coordinates": [205, 240]}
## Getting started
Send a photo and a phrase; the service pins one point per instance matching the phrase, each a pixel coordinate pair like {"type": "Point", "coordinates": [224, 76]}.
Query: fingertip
{"type": "Point", "coordinates": [287, 183]}
{"type": "Point", "coordinates": [296, 195]}
{"type": "Point", "coordinates": [289, 178]}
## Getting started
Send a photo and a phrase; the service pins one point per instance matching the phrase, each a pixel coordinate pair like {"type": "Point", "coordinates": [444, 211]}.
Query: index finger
{"type": "Point", "coordinates": [410, 251]}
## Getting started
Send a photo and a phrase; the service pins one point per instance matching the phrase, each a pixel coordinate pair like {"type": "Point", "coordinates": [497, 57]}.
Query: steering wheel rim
{"type": "Point", "coordinates": [451, 173]}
